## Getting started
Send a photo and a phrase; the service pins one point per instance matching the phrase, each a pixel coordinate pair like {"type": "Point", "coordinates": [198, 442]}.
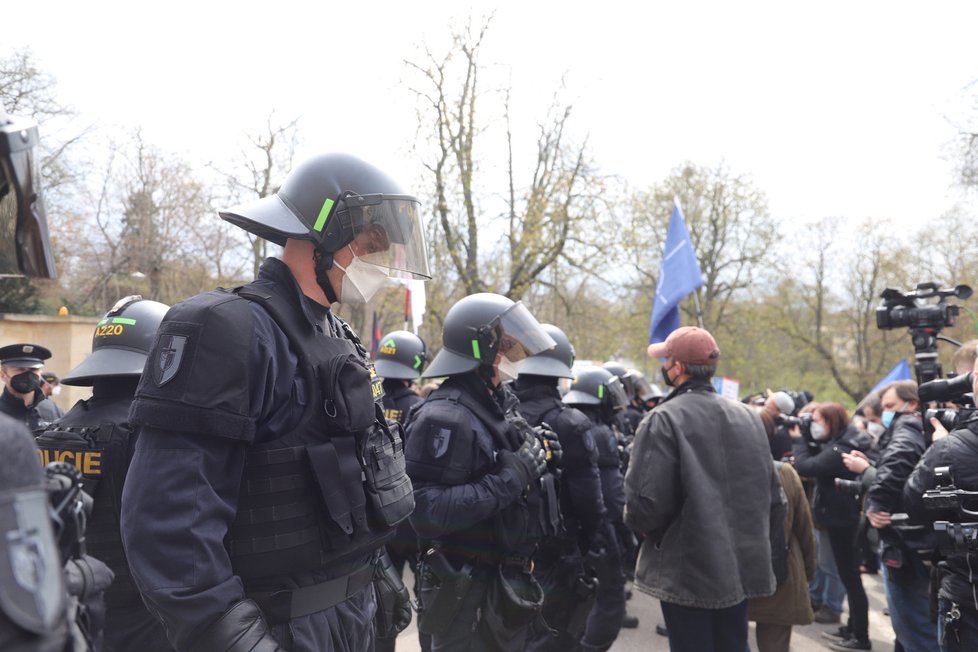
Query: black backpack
{"type": "Point", "coordinates": [779, 544]}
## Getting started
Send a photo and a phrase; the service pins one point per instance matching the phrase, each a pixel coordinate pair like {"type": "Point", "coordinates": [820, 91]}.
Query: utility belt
{"type": "Point", "coordinates": [513, 599]}
{"type": "Point", "coordinates": [280, 607]}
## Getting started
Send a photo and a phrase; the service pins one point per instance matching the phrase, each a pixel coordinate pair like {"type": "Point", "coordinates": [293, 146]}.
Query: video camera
{"type": "Point", "coordinates": [924, 321]}
{"type": "Point", "coordinates": [953, 538]}
{"type": "Point", "coordinates": [852, 487]}
{"type": "Point", "coordinates": [803, 421]}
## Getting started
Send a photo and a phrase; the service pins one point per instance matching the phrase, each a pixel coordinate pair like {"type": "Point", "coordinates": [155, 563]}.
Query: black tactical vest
{"type": "Point", "coordinates": [95, 437]}
{"type": "Point", "coordinates": [334, 488]}
{"type": "Point", "coordinates": [518, 527]}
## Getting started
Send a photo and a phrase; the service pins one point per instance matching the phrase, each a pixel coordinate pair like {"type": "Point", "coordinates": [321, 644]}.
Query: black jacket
{"type": "Point", "coordinates": [831, 508]}
{"type": "Point", "coordinates": [581, 500]}
{"type": "Point", "coordinates": [905, 445]}
{"type": "Point", "coordinates": [959, 450]}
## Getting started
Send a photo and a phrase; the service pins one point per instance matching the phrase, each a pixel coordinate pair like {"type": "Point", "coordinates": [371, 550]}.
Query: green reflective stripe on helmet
{"type": "Point", "coordinates": [104, 321]}
{"type": "Point", "coordinates": [417, 362]}
{"type": "Point", "coordinates": [123, 320]}
{"type": "Point", "coordinates": [323, 215]}
{"type": "Point", "coordinates": [600, 391]}
{"type": "Point", "coordinates": [391, 343]}
{"type": "Point", "coordinates": [475, 350]}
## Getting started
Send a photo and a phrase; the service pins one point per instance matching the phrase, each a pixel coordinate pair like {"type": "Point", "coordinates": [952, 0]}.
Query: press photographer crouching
{"type": "Point", "coordinates": [956, 521]}
{"type": "Point", "coordinates": [819, 444]}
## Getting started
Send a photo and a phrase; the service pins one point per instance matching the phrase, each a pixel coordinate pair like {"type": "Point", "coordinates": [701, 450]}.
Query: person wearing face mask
{"type": "Point", "coordinates": [483, 491]}
{"type": "Point", "coordinates": [905, 549]}
{"type": "Point", "coordinates": [265, 480]}
{"type": "Point", "coordinates": [700, 490]}
{"type": "Point", "coordinates": [836, 512]}
{"type": "Point", "coordinates": [22, 398]}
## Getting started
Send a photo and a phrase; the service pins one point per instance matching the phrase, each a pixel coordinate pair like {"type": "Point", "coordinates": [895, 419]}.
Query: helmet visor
{"type": "Point", "coordinates": [616, 396]}
{"type": "Point", "coordinates": [521, 335]}
{"type": "Point", "coordinates": [389, 233]}
{"type": "Point", "coordinates": [24, 243]}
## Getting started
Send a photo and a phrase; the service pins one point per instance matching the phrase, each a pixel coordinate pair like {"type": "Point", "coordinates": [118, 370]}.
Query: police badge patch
{"type": "Point", "coordinates": [168, 357]}
{"type": "Point", "coordinates": [439, 441]}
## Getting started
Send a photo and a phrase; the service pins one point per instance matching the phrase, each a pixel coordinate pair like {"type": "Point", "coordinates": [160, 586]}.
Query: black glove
{"type": "Point", "coordinates": [529, 462]}
{"type": "Point", "coordinates": [551, 443]}
{"type": "Point", "coordinates": [242, 628]}
{"type": "Point", "coordinates": [393, 599]}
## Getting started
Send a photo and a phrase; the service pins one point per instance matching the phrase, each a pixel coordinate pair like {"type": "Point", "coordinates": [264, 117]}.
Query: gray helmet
{"type": "Point", "coordinates": [334, 199]}
{"type": "Point", "coordinates": [555, 362]}
{"type": "Point", "coordinates": [25, 247]}
{"type": "Point", "coordinates": [121, 341]}
{"type": "Point", "coordinates": [480, 326]}
{"type": "Point", "coordinates": [595, 385]}
{"type": "Point", "coordinates": [401, 354]}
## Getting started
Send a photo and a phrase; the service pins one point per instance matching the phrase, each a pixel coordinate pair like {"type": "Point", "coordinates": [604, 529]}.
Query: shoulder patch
{"type": "Point", "coordinates": [438, 440]}
{"type": "Point", "coordinates": [168, 358]}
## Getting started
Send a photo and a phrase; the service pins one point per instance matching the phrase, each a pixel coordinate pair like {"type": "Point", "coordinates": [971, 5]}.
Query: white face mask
{"type": "Point", "coordinates": [508, 370]}
{"type": "Point", "coordinates": [361, 280]}
{"type": "Point", "coordinates": [56, 390]}
{"type": "Point", "coordinates": [818, 432]}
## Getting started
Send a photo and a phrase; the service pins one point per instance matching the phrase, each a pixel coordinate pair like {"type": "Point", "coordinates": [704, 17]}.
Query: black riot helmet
{"type": "Point", "coordinates": [555, 362]}
{"type": "Point", "coordinates": [401, 354]}
{"type": "Point", "coordinates": [595, 385]}
{"type": "Point", "coordinates": [626, 376]}
{"type": "Point", "coordinates": [480, 326]}
{"type": "Point", "coordinates": [25, 246]}
{"type": "Point", "coordinates": [333, 200]}
{"type": "Point", "coordinates": [121, 341]}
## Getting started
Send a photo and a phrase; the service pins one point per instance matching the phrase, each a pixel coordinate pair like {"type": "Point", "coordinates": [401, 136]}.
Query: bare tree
{"type": "Point", "coordinates": [260, 170]}
{"type": "Point", "coordinates": [541, 218]}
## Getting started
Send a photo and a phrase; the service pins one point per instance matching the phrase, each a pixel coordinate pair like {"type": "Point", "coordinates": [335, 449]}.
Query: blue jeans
{"type": "Point", "coordinates": [826, 589]}
{"type": "Point", "coordinates": [909, 603]}
{"type": "Point", "coordinates": [692, 629]}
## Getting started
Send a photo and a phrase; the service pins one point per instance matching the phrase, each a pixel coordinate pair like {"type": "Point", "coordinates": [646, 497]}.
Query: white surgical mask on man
{"type": "Point", "coordinates": [361, 280]}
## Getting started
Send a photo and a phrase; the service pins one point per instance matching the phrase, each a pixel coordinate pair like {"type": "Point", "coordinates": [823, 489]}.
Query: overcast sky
{"type": "Point", "coordinates": [833, 108]}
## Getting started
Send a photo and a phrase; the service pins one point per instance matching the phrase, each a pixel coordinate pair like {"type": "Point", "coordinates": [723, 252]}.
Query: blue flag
{"type": "Point", "coordinates": [900, 372]}
{"type": "Point", "coordinates": [679, 276]}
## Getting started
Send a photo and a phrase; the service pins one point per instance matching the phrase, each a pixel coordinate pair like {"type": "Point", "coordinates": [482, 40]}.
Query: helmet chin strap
{"type": "Point", "coordinates": [323, 262]}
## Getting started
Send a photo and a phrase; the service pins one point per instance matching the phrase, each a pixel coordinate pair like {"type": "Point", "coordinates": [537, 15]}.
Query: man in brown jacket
{"type": "Point", "coordinates": [699, 490]}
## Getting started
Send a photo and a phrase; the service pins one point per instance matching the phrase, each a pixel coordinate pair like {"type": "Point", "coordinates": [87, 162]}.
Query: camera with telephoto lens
{"type": "Point", "coordinates": [953, 537]}
{"type": "Point", "coordinates": [953, 390]}
{"type": "Point", "coordinates": [803, 421]}
{"type": "Point", "coordinates": [950, 418]}
{"type": "Point", "coordinates": [924, 321]}
{"type": "Point", "coordinates": [853, 488]}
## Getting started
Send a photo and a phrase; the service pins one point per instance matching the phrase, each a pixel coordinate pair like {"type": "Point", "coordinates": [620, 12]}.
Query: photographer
{"type": "Point", "coordinates": [957, 626]}
{"type": "Point", "coordinates": [904, 547]}
{"type": "Point", "coordinates": [818, 455]}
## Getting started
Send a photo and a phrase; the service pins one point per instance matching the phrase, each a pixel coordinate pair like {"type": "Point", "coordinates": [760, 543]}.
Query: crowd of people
{"type": "Point", "coordinates": [246, 477]}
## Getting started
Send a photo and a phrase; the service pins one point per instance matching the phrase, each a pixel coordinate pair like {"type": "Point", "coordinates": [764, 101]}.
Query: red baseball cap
{"type": "Point", "coordinates": [689, 344]}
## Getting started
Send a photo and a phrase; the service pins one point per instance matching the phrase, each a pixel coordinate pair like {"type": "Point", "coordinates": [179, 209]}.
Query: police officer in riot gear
{"type": "Point", "coordinates": [568, 585]}
{"type": "Point", "coordinates": [265, 479]}
{"type": "Point", "coordinates": [401, 357]}
{"type": "Point", "coordinates": [599, 395]}
{"type": "Point", "coordinates": [22, 398]}
{"type": "Point", "coordinates": [483, 495]}
{"type": "Point", "coordinates": [33, 601]}
{"type": "Point", "coordinates": [96, 438]}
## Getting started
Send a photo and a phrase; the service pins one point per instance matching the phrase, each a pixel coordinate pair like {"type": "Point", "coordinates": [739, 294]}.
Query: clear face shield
{"type": "Point", "coordinates": [614, 394]}
{"type": "Point", "coordinates": [25, 246]}
{"type": "Point", "coordinates": [389, 233]}
{"type": "Point", "coordinates": [520, 334]}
